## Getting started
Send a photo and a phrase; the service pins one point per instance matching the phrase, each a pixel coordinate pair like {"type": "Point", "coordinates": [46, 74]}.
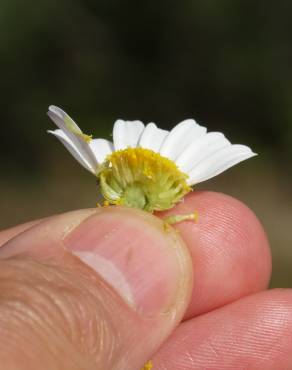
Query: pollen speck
{"type": "Point", "coordinates": [148, 366]}
{"type": "Point", "coordinates": [86, 138]}
{"type": "Point", "coordinates": [166, 227]}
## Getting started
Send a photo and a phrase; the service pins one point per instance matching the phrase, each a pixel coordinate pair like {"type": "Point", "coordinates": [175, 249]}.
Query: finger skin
{"type": "Point", "coordinates": [7, 234]}
{"type": "Point", "coordinates": [230, 251]}
{"type": "Point", "coordinates": [229, 248]}
{"type": "Point", "coordinates": [254, 333]}
{"type": "Point", "coordinates": [59, 312]}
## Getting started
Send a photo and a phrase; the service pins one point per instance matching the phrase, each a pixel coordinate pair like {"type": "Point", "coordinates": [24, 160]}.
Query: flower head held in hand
{"type": "Point", "coordinates": [147, 167]}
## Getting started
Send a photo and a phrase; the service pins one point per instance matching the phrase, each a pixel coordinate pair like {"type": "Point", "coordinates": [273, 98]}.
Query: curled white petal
{"type": "Point", "coordinates": [77, 154]}
{"type": "Point", "coordinates": [218, 162]}
{"type": "Point", "coordinates": [202, 147]}
{"type": "Point", "coordinates": [152, 137]}
{"type": "Point", "coordinates": [127, 133]}
{"type": "Point", "coordinates": [180, 137]}
{"type": "Point", "coordinates": [63, 120]}
{"type": "Point", "coordinates": [73, 132]}
{"type": "Point", "coordinates": [101, 148]}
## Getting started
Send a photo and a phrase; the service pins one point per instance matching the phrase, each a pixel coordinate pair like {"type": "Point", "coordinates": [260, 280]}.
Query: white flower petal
{"type": "Point", "coordinates": [152, 137]}
{"type": "Point", "coordinates": [59, 117]}
{"type": "Point", "coordinates": [199, 154]}
{"type": "Point", "coordinates": [73, 132]}
{"type": "Point", "coordinates": [180, 137]}
{"type": "Point", "coordinates": [101, 148]}
{"type": "Point", "coordinates": [218, 162]}
{"type": "Point", "coordinates": [127, 133]}
{"type": "Point", "coordinates": [202, 147]}
{"type": "Point", "coordinates": [65, 140]}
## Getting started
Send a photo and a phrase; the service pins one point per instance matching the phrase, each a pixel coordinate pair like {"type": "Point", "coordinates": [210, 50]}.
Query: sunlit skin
{"type": "Point", "coordinates": [232, 321]}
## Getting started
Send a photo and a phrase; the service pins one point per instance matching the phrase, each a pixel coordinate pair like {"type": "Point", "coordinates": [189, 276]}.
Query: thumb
{"type": "Point", "coordinates": [91, 289]}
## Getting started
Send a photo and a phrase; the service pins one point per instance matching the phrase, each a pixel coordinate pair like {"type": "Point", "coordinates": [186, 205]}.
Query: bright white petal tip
{"type": "Point", "coordinates": [152, 137]}
{"type": "Point", "coordinates": [127, 134]}
{"type": "Point", "coordinates": [58, 111]}
{"type": "Point", "coordinates": [180, 137]}
{"type": "Point", "coordinates": [219, 161]}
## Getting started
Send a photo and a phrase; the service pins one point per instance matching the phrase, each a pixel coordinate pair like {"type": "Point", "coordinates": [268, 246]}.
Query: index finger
{"type": "Point", "coordinates": [229, 248]}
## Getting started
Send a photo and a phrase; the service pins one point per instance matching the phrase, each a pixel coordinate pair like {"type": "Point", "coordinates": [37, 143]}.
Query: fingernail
{"type": "Point", "coordinates": [133, 253]}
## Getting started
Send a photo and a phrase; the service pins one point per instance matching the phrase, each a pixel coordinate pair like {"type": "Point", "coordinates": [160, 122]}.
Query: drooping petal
{"type": "Point", "coordinates": [218, 162]}
{"type": "Point", "coordinates": [152, 137]}
{"type": "Point", "coordinates": [101, 148]}
{"type": "Point", "coordinates": [202, 147]}
{"type": "Point", "coordinates": [65, 140]}
{"type": "Point", "coordinates": [180, 137]}
{"type": "Point", "coordinates": [127, 133]}
{"type": "Point", "coordinates": [63, 120]}
{"type": "Point", "coordinates": [73, 132]}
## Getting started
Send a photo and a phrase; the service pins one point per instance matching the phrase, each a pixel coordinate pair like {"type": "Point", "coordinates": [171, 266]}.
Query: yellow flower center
{"type": "Point", "coordinates": [141, 178]}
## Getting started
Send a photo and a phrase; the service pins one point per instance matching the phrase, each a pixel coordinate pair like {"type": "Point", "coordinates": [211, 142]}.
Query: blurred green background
{"type": "Point", "coordinates": [226, 63]}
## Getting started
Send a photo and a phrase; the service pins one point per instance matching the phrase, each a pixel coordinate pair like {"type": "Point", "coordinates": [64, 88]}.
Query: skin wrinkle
{"type": "Point", "coordinates": [16, 311]}
{"type": "Point", "coordinates": [189, 358]}
{"type": "Point", "coordinates": [251, 341]}
{"type": "Point", "coordinates": [110, 347]}
{"type": "Point", "coordinates": [209, 345]}
{"type": "Point", "coordinates": [228, 220]}
{"type": "Point", "coordinates": [274, 340]}
{"type": "Point", "coordinates": [26, 318]}
{"type": "Point", "coordinates": [64, 306]}
{"type": "Point", "coordinates": [101, 343]}
{"type": "Point", "coordinates": [47, 297]}
{"type": "Point", "coordinates": [256, 334]}
{"type": "Point", "coordinates": [242, 244]}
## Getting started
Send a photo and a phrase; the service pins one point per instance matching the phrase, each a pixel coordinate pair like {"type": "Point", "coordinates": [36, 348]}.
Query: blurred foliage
{"type": "Point", "coordinates": [226, 63]}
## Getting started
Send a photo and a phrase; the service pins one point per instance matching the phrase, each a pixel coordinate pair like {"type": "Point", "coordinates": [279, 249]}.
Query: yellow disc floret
{"type": "Point", "coordinates": [141, 178]}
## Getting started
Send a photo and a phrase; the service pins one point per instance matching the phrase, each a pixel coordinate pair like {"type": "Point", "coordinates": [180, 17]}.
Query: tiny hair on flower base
{"type": "Point", "coordinates": [145, 166]}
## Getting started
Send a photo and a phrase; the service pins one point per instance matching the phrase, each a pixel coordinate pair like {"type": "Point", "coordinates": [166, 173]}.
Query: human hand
{"type": "Point", "coordinates": [57, 313]}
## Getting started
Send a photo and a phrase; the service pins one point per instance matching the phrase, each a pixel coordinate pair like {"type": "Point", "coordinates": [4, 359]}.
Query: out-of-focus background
{"type": "Point", "coordinates": [226, 63]}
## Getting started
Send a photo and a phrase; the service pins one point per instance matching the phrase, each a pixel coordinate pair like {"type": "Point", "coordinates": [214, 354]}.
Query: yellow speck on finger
{"type": "Point", "coordinates": [148, 366]}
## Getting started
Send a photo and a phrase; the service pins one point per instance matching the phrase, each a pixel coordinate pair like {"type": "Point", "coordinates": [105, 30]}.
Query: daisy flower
{"type": "Point", "coordinates": [147, 167]}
